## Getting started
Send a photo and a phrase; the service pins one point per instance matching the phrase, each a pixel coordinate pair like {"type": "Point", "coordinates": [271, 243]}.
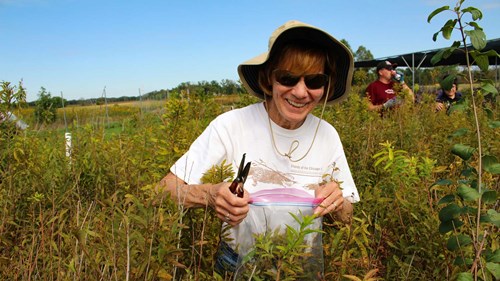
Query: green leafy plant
{"type": "Point", "coordinates": [218, 173]}
{"type": "Point", "coordinates": [469, 217]}
{"type": "Point", "coordinates": [10, 97]}
{"type": "Point", "coordinates": [401, 193]}
{"type": "Point", "coordinates": [45, 108]}
{"type": "Point", "coordinates": [279, 255]}
{"type": "Point", "coordinates": [93, 219]}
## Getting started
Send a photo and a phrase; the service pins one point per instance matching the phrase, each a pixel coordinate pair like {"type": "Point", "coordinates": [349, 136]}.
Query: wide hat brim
{"type": "Point", "coordinates": [295, 30]}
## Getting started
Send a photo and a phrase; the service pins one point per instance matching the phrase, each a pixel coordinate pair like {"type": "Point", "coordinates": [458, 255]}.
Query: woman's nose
{"type": "Point", "coordinates": [300, 90]}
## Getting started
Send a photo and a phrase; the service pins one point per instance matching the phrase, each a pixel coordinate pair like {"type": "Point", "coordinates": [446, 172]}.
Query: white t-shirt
{"type": "Point", "coordinates": [246, 130]}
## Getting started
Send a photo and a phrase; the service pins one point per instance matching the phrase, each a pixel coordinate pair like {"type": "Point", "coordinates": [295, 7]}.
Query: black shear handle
{"type": "Point", "coordinates": [236, 186]}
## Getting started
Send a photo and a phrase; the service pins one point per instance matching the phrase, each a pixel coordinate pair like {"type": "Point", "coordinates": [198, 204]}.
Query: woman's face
{"type": "Point", "coordinates": [290, 105]}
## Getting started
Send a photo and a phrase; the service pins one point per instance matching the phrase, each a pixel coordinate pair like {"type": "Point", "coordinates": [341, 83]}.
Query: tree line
{"type": "Point", "coordinates": [46, 104]}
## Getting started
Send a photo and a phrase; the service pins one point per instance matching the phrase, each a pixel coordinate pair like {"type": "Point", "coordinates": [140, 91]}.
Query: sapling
{"type": "Point", "coordinates": [469, 215]}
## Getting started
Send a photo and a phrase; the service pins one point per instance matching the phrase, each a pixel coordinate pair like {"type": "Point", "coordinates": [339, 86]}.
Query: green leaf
{"type": "Point", "coordinates": [448, 226]}
{"type": "Point", "coordinates": [458, 133]}
{"type": "Point", "coordinates": [477, 38]}
{"type": "Point", "coordinates": [488, 112]}
{"type": "Point", "coordinates": [469, 210]}
{"type": "Point", "coordinates": [481, 61]}
{"type": "Point", "coordinates": [448, 28]}
{"type": "Point", "coordinates": [463, 151]}
{"type": "Point", "coordinates": [462, 261]}
{"type": "Point", "coordinates": [388, 165]}
{"type": "Point", "coordinates": [494, 124]}
{"type": "Point", "coordinates": [456, 45]}
{"type": "Point", "coordinates": [490, 164]}
{"type": "Point", "coordinates": [447, 82]}
{"type": "Point", "coordinates": [437, 11]}
{"type": "Point", "coordinates": [458, 241]}
{"type": "Point", "coordinates": [465, 276]}
{"type": "Point", "coordinates": [449, 51]}
{"type": "Point", "coordinates": [475, 13]}
{"type": "Point", "coordinates": [489, 196]}
{"type": "Point", "coordinates": [443, 182]}
{"type": "Point", "coordinates": [449, 212]}
{"type": "Point", "coordinates": [379, 161]}
{"type": "Point", "coordinates": [434, 37]}
{"type": "Point", "coordinates": [489, 88]}
{"type": "Point", "coordinates": [494, 268]}
{"type": "Point", "coordinates": [474, 24]}
{"type": "Point", "coordinates": [467, 193]}
{"type": "Point", "coordinates": [473, 183]}
{"type": "Point", "coordinates": [447, 199]}
{"type": "Point", "coordinates": [467, 172]}
{"type": "Point", "coordinates": [438, 56]}
{"type": "Point", "coordinates": [492, 217]}
{"type": "Point", "coordinates": [493, 257]}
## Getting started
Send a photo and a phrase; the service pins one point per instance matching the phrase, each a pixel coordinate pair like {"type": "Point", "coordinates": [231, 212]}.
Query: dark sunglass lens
{"type": "Point", "coordinates": [315, 81]}
{"type": "Point", "coordinates": [286, 79]}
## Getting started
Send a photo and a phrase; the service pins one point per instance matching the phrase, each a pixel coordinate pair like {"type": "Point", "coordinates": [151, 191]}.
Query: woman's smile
{"type": "Point", "coordinates": [296, 104]}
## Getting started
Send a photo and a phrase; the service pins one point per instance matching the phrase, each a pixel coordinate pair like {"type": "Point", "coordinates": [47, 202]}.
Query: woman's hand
{"type": "Point", "coordinates": [333, 203]}
{"type": "Point", "coordinates": [230, 208]}
{"type": "Point", "coordinates": [332, 199]}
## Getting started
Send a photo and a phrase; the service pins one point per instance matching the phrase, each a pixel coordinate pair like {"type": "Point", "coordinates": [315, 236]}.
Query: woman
{"type": "Point", "coordinates": [287, 146]}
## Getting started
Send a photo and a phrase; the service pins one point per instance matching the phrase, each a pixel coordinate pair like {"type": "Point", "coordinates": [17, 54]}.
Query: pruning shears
{"type": "Point", "coordinates": [236, 186]}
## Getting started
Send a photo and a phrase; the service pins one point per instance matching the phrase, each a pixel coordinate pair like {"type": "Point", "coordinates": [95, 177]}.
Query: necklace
{"type": "Point", "coordinates": [295, 144]}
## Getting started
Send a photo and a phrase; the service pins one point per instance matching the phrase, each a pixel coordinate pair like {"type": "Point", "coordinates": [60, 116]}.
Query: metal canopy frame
{"type": "Point", "coordinates": [416, 60]}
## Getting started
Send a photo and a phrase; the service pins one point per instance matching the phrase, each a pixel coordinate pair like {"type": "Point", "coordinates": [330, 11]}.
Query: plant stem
{"type": "Point", "coordinates": [478, 132]}
{"type": "Point", "coordinates": [127, 229]}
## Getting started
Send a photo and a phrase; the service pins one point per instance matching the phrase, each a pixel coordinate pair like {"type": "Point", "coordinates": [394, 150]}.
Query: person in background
{"type": "Point", "coordinates": [10, 117]}
{"type": "Point", "coordinates": [381, 93]}
{"type": "Point", "coordinates": [289, 148]}
{"type": "Point", "coordinates": [448, 94]}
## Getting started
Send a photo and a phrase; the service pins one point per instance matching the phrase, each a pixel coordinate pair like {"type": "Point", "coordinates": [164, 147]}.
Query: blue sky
{"type": "Point", "coordinates": [78, 47]}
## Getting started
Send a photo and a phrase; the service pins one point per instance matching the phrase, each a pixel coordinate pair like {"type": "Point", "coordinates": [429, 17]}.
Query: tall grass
{"type": "Point", "coordinates": [95, 217]}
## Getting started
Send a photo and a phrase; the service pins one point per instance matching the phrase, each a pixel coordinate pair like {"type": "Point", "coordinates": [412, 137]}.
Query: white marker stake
{"type": "Point", "coordinates": [67, 136]}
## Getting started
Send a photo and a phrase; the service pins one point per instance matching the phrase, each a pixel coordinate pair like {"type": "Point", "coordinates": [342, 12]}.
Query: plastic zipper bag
{"type": "Point", "coordinates": [272, 211]}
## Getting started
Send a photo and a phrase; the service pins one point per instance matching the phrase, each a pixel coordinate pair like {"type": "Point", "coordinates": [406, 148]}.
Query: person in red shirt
{"type": "Point", "coordinates": [380, 93]}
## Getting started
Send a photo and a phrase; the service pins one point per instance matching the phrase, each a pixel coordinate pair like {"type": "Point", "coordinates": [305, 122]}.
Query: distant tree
{"type": "Point", "coordinates": [343, 41]}
{"type": "Point", "coordinates": [362, 53]}
{"type": "Point", "coordinates": [45, 109]}
{"type": "Point", "coordinates": [59, 102]}
{"type": "Point", "coordinates": [230, 87]}
{"type": "Point", "coordinates": [100, 101]}
{"type": "Point", "coordinates": [362, 75]}
{"type": "Point", "coordinates": [215, 87]}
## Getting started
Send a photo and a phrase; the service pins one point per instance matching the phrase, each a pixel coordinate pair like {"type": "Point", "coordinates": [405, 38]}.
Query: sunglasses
{"type": "Point", "coordinates": [312, 81]}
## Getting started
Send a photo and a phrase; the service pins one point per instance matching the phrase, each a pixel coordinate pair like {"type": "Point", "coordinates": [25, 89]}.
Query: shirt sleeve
{"type": "Point", "coordinates": [207, 150]}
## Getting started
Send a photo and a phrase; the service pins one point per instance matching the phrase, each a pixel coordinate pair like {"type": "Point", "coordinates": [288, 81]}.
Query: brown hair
{"type": "Point", "coordinates": [298, 57]}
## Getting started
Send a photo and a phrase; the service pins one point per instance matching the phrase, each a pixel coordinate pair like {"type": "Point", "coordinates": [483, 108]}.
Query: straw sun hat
{"type": "Point", "coordinates": [293, 30]}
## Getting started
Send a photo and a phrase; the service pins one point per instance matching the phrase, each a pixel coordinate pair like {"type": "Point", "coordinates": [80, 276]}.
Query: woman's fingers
{"type": "Point", "coordinates": [230, 208]}
{"type": "Point", "coordinates": [332, 199]}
